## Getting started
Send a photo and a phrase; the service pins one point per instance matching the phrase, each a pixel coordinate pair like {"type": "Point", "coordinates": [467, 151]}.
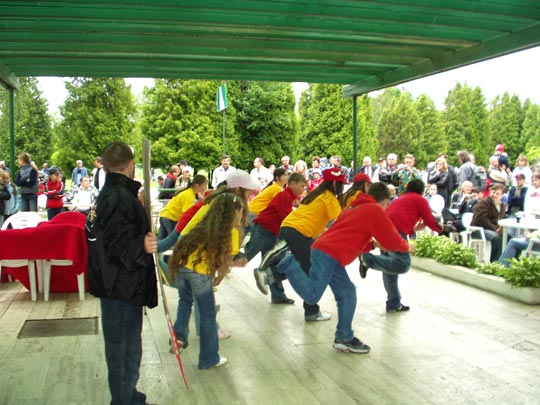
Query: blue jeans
{"type": "Point", "coordinates": [28, 202]}
{"type": "Point", "coordinates": [122, 326]}
{"type": "Point", "coordinates": [197, 287]}
{"type": "Point", "coordinates": [300, 246]}
{"type": "Point", "coordinates": [52, 212]}
{"type": "Point", "coordinates": [513, 250]}
{"type": "Point", "coordinates": [262, 240]}
{"type": "Point", "coordinates": [496, 244]}
{"type": "Point", "coordinates": [324, 272]}
{"type": "Point", "coordinates": [392, 264]}
{"type": "Point", "coordinates": [166, 226]}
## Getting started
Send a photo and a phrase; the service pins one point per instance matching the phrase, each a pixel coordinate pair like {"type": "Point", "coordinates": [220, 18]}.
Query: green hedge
{"type": "Point", "coordinates": [524, 272]}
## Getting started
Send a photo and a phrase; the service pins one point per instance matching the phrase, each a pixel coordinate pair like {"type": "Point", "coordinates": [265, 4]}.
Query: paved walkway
{"type": "Point", "coordinates": [458, 345]}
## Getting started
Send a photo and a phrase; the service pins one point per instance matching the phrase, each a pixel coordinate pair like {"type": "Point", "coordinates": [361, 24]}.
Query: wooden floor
{"type": "Point", "coordinates": [457, 345]}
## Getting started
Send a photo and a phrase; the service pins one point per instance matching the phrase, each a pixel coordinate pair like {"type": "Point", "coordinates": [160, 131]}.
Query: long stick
{"type": "Point", "coordinates": [147, 207]}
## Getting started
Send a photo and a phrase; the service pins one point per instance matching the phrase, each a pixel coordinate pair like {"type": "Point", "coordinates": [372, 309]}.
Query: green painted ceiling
{"type": "Point", "coordinates": [365, 44]}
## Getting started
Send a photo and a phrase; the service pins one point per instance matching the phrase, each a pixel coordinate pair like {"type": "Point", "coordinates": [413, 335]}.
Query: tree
{"type": "Point", "coordinates": [327, 123]}
{"type": "Point", "coordinates": [382, 100]}
{"type": "Point", "coordinates": [266, 121]}
{"type": "Point", "coordinates": [433, 134]}
{"type": "Point", "coordinates": [32, 123]}
{"type": "Point", "coordinates": [96, 112]}
{"type": "Point", "coordinates": [465, 123]}
{"type": "Point", "coordinates": [400, 130]}
{"type": "Point", "coordinates": [531, 130]}
{"type": "Point", "coordinates": [180, 118]}
{"type": "Point", "coordinates": [504, 121]}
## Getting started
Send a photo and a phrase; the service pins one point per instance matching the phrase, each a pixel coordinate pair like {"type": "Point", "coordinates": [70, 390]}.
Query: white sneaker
{"type": "Point", "coordinates": [321, 316]}
{"type": "Point", "coordinates": [223, 334]}
{"type": "Point", "coordinates": [222, 361]}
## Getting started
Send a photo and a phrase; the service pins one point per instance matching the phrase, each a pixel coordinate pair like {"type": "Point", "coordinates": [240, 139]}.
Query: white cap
{"type": "Point", "coordinates": [241, 178]}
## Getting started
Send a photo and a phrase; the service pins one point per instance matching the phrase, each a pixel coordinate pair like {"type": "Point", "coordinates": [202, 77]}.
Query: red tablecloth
{"type": "Point", "coordinates": [62, 237]}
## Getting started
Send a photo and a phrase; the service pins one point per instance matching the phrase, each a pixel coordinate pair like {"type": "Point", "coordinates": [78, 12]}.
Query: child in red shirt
{"type": "Point", "coordinates": [53, 191]}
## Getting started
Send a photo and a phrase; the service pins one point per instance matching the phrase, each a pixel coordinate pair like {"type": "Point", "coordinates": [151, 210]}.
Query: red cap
{"type": "Point", "coordinates": [499, 148]}
{"type": "Point", "coordinates": [334, 174]}
{"type": "Point", "coordinates": [361, 177]}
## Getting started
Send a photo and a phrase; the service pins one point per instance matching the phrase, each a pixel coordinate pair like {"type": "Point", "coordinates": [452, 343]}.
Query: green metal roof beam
{"type": "Point", "coordinates": [7, 79]}
{"type": "Point", "coordinates": [524, 39]}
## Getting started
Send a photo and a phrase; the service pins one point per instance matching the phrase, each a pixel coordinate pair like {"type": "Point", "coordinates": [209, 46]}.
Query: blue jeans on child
{"type": "Point", "coordinates": [324, 272]}
{"type": "Point", "coordinates": [192, 287]}
{"type": "Point", "coordinates": [262, 240]}
{"type": "Point", "coordinates": [122, 327]}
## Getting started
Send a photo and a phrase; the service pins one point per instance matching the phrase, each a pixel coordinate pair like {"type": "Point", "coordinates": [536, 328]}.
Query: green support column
{"type": "Point", "coordinates": [355, 134]}
{"type": "Point", "coordinates": [12, 133]}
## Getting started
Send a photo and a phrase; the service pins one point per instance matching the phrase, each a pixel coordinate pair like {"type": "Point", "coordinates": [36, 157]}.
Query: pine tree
{"type": "Point", "coordinates": [96, 112]}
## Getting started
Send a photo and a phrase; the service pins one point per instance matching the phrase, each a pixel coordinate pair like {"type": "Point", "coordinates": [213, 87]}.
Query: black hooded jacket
{"type": "Point", "coordinates": [128, 272]}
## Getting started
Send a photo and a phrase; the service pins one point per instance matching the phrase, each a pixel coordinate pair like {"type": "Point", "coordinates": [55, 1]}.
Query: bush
{"type": "Point", "coordinates": [524, 272]}
{"type": "Point", "coordinates": [444, 251]}
{"type": "Point", "coordinates": [494, 269]}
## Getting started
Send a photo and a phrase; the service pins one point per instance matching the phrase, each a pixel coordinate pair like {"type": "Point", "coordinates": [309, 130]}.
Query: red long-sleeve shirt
{"type": "Point", "coordinates": [406, 210]}
{"type": "Point", "coordinates": [352, 233]}
{"type": "Point", "coordinates": [279, 207]}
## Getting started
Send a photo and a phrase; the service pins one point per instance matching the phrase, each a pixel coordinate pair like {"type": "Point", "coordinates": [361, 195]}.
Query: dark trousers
{"type": "Point", "coordinates": [300, 246]}
{"type": "Point", "coordinates": [122, 326]}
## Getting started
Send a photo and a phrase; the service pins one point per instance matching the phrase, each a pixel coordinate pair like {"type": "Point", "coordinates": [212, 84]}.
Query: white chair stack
{"type": "Point", "coordinates": [23, 220]}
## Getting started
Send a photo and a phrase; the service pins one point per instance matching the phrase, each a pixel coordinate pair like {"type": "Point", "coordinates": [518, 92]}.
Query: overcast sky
{"type": "Point", "coordinates": [516, 73]}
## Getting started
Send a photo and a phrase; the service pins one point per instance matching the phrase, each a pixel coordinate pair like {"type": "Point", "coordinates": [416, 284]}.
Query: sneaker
{"type": "Point", "coordinates": [222, 361]}
{"type": "Point", "coordinates": [363, 268]}
{"type": "Point", "coordinates": [401, 308]}
{"type": "Point", "coordinates": [321, 316]}
{"type": "Point", "coordinates": [286, 300]}
{"type": "Point", "coordinates": [223, 334]}
{"type": "Point", "coordinates": [352, 346]}
{"type": "Point", "coordinates": [260, 279]}
{"type": "Point", "coordinates": [274, 256]}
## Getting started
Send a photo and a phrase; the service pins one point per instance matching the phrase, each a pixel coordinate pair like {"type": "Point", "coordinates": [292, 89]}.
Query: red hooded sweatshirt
{"type": "Point", "coordinates": [352, 233]}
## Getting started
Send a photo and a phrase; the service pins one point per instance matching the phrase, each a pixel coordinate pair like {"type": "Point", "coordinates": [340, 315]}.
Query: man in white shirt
{"type": "Point", "coordinates": [369, 170]}
{"type": "Point", "coordinates": [220, 173]}
{"type": "Point", "coordinates": [260, 174]}
{"type": "Point", "coordinates": [82, 197]}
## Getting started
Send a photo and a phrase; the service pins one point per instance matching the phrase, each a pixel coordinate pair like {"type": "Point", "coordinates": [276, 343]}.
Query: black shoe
{"type": "Point", "coordinates": [286, 300]}
{"type": "Point", "coordinates": [363, 268]}
{"type": "Point", "coordinates": [274, 256]}
{"type": "Point", "coordinates": [401, 308]}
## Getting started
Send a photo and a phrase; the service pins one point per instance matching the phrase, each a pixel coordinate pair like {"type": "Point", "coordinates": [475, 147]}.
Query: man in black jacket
{"type": "Point", "coordinates": [126, 280]}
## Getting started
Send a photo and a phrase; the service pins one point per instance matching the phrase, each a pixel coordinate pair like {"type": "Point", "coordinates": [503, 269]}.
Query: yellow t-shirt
{"type": "Point", "coordinates": [199, 215]}
{"type": "Point", "coordinates": [179, 204]}
{"type": "Point", "coordinates": [311, 219]}
{"type": "Point", "coordinates": [261, 201]}
{"type": "Point", "coordinates": [202, 267]}
{"type": "Point", "coordinates": [352, 198]}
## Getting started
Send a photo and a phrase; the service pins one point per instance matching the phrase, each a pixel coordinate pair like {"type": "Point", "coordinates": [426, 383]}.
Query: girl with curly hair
{"type": "Point", "coordinates": [200, 260]}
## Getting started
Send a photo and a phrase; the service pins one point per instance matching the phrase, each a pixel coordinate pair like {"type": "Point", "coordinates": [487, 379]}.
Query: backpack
{"type": "Point", "coordinates": [479, 180]}
{"type": "Point", "coordinates": [101, 277]}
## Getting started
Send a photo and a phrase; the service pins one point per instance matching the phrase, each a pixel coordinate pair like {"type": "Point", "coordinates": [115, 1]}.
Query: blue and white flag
{"type": "Point", "coordinates": [221, 99]}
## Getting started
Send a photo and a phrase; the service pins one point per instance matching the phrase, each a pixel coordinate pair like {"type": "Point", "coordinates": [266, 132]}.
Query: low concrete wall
{"type": "Point", "coordinates": [494, 284]}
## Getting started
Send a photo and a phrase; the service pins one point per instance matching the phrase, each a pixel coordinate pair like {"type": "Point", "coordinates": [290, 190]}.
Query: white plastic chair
{"type": "Point", "coordinates": [23, 220]}
{"type": "Point", "coordinates": [481, 245]}
{"type": "Point", "coordinates": [533, 249]}
{"type": "Point", "coordinates": [45, 277]}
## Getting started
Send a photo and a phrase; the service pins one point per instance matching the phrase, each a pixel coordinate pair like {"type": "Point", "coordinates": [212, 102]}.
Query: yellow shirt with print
{"type": "Point", "coordinates": [261, 201]}
{"type": "Point", "coordinates": [311, 219]}
{"type": "Point", "coordinates": [179, 204]}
